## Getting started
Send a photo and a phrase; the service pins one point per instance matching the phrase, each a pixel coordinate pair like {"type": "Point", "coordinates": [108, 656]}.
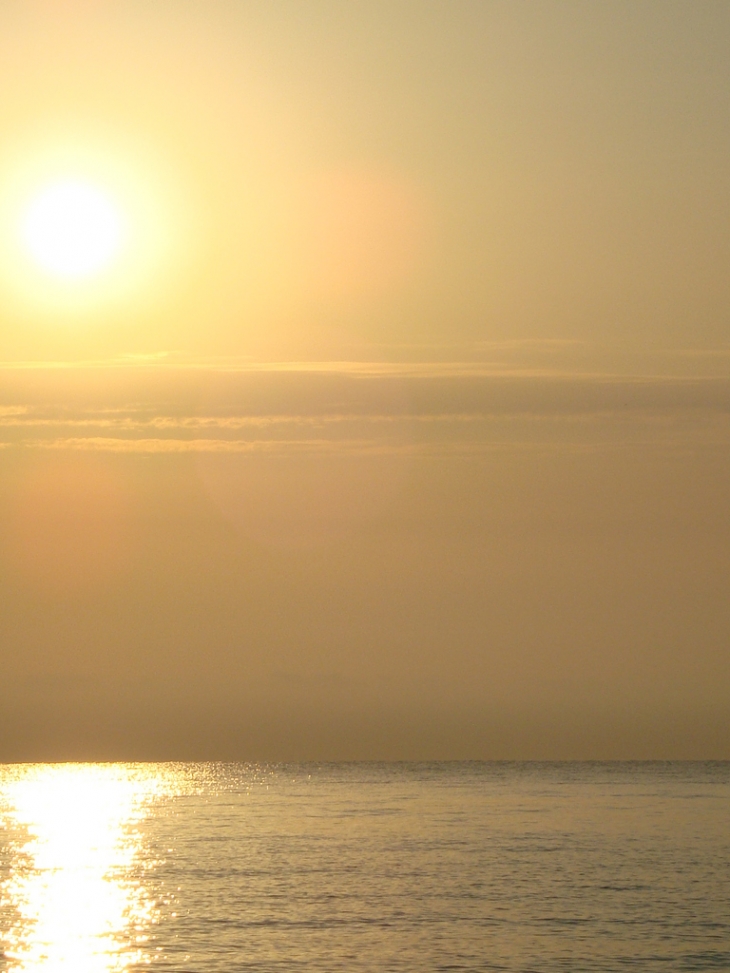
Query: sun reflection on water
{"type": "Point", "coordinates": [72, 888]}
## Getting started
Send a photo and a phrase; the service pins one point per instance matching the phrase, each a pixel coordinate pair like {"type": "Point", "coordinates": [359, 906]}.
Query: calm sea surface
{"type": "Point", "coordinates": [378, 867]}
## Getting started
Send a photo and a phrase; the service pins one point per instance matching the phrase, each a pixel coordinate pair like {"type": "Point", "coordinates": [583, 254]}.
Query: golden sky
{"type": "Point", "coordinates": [386, 413]}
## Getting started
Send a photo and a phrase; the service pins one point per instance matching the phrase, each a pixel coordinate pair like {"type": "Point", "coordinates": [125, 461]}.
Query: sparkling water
{"type": "Point", "coordinates": [379, 867]}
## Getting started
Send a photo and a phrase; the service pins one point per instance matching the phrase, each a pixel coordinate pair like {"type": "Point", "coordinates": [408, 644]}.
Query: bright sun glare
{"type": "Point", "coordinates": [72, 229]}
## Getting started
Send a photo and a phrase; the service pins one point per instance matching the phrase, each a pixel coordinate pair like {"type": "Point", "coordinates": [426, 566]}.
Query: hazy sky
{"type": "Point", "coordinates": [400, 426]}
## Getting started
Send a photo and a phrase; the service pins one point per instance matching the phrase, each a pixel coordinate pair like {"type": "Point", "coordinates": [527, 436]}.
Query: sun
{"type": "Point", "coordinates": [72, 229]}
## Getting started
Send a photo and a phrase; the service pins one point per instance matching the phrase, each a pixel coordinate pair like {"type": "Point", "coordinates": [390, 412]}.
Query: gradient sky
{"type": "Point", "coordinates": [401, 428]}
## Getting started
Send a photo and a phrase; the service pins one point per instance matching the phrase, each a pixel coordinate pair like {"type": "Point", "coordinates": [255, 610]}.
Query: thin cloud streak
{"type": "Point", "coordinates": [108, 444]}
{"type": "Point", "coordinates": [363, 447]}
{"type": "Point", "coordinates": [168, 410]}
{"type": "Point", "coordinates": [591, 365]}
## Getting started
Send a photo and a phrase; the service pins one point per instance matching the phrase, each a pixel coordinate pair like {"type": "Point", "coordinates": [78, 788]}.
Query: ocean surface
{"type": "Point", "coordinates": [355, 867]}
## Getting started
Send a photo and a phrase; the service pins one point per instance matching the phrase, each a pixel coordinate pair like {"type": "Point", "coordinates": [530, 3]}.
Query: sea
{"type": "Point", "coordinates": [417, 867]}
